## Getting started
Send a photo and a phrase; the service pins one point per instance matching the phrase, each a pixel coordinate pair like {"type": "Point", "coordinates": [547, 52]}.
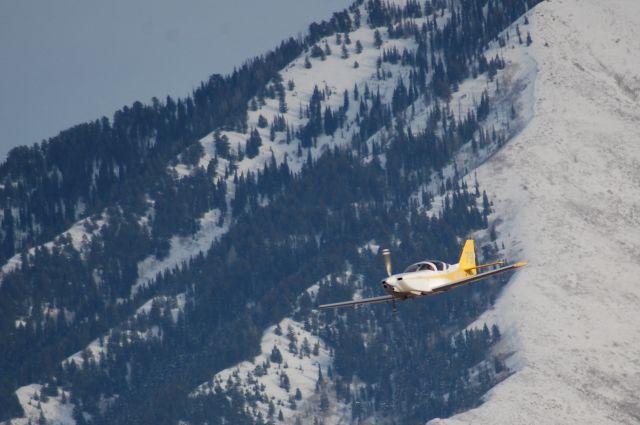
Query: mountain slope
{"type": "Point", "coordinates": [566, 189]}
{"type": "Point", "coordinates": [351, 139]}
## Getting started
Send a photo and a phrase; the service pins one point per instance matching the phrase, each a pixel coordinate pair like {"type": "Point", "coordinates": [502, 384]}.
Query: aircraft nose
{"type": "Point", "coordinates": [387, 286]}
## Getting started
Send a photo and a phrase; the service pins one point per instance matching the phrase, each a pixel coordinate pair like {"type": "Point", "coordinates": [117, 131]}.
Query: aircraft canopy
{"type": "Point", "coordinates": [430, 265]}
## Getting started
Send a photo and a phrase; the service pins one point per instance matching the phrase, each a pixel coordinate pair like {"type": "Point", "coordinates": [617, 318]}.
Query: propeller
{"type": "Point", "coordinates": [387, 260]}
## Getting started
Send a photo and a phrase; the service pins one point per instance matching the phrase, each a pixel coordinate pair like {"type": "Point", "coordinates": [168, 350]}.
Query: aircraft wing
{"type": "Point", "coordinates": [476, 277]}
{"type": "Point", "coordinates": [354, 303]}
{"type": "Point", "coordinates": [435, 291]}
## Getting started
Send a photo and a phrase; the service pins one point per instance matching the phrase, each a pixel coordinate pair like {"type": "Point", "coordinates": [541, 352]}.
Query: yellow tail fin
{"type": "Point", "coordinates": [468, 258]}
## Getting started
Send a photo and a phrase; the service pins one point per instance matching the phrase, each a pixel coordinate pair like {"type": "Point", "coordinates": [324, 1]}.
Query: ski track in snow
{"type": "Point", "coordinates": [567, 191]}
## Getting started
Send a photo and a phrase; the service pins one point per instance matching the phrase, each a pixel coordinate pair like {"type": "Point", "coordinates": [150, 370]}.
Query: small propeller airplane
{"type": "Point", "coordinates": [430, 277]}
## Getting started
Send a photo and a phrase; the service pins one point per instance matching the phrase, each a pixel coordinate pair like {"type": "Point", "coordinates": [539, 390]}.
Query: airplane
{"type": "Point", "coordinates": [430, 277]}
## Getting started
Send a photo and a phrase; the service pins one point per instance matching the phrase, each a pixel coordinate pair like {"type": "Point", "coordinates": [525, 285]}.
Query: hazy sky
{"type": "Point", "coordinates": [64, 62]}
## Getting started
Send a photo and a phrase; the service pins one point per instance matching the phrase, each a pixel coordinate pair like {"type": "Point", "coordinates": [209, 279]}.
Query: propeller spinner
{"type": "Point", "coordinates": [387, 260]}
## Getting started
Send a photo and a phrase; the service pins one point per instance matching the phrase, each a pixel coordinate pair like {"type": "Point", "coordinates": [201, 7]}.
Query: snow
{"type": "Point", "coordinates": [78, 234]}
{"type": "Point", "coordinates": [181, 249]}
{"type": "Point", "coordinates": [334, 75]}
{"type": "Point", "coordinates": [566, 190]}
{"type": "Point", "coordinates": [54, 410]}
{"type": "Point", "coordinates": [178, 302]}
{"type": "Point", "coordinates": [95, 350]}
{"type": "Point", "coordinates": [512, 86]}
{"type": "Point", "coordinates": [302, 371]}
{"type": "Point", "coordinates": [370, 246]}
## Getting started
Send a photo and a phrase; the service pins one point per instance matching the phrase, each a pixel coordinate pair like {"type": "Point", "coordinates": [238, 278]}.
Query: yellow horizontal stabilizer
{"type": "Point", "coordinates": [481, 266]}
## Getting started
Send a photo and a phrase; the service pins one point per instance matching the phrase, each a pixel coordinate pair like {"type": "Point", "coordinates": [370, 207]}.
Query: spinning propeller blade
{"type": "Point", "coordinates": [387, 260]}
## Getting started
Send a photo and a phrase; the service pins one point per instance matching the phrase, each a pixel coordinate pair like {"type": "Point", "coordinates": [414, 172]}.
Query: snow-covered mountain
{"type": "Point", "coordinates": [552, 107]}
{"type": "Point", "coordinates": [567, 190]}
{"type": "Point", "coordinates": [346, 73]}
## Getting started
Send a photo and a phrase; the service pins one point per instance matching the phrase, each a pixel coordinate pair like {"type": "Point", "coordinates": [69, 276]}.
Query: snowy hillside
{"type": "Point", "coordinates": [512, 87]}
{"type": "Point", "coordinates": [359, 91]}
{"type": "Point", "coordinates": [284, 377]}
{"type": "Point", "coordinates": [567, 190]}
{"type": "Point", "coordinates": [288, 379]}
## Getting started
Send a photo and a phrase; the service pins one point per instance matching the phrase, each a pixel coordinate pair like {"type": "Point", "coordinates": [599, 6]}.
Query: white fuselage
{"type": "Point", "coordinates": [420, 282]}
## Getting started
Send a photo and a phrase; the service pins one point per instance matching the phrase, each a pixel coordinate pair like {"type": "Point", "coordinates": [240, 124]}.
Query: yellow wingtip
{"type": "Point", "coordinates": [520, 264]}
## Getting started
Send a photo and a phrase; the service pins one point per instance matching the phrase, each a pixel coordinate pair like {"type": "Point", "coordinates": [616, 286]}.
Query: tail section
{"type": "Point", "coordinates": [468, 258]}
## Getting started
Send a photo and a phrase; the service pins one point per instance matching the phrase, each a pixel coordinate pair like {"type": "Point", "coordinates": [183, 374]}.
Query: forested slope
{"type": "Point", "coordinates": [149, 252]}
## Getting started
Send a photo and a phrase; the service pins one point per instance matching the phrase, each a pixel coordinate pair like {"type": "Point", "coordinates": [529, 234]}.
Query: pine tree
{"type": "Point", "coordinates": [221, 143]}
{"type": "Point", "coordinates": [324, 401]}
{"type": "Point", "coordinates": [377, 39]}
{"type": "Point", "coordinates": [345, 53]}
{"type": "Point", "coordinates": [518, 33]}
{"type": "Point", "coordinates": [305, 349]}
{"type": "Point", "coordinates": [330, 122]}
{"type": "Point", "coordinates": [358, 47]}
{"type": "Point", "coordinates": [253, 144]}
{"type": "Point", "coordinates": [495, 333]}
{"type": "Point", "coordinates": [282, 105]}
{"type": "Point", "coordinates": [320, 380]}
{"type": "Point", "coordinates": [284, 381]}
{"type": "Point", "coordinates": [276, 355]}
{"type": "Point", "coordinates": [327, 49]}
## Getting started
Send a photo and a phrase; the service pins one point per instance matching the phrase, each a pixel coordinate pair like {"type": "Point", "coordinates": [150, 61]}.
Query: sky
{"type": "Point", "coordinates": [65, 62]}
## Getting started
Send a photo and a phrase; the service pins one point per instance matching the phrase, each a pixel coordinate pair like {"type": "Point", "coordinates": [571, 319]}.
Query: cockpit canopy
{"type": "Point", "coordinates": [430, 265]}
